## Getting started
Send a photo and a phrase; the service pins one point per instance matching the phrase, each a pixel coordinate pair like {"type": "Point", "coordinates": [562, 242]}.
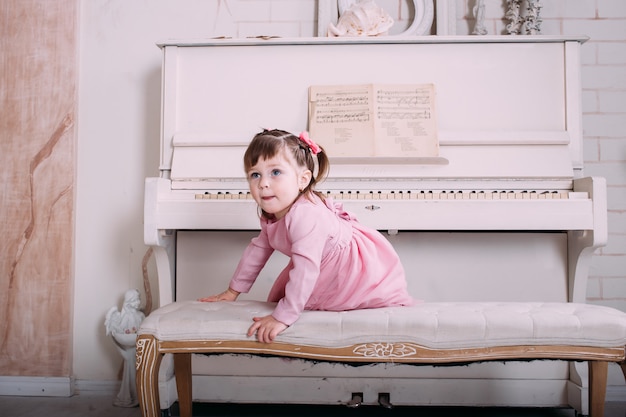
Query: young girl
{"type": "Point", "coordinates": [335, 262]}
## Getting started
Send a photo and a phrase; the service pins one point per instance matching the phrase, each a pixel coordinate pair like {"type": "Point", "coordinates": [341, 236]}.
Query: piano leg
{"type": "Point", "coordinates": [164, 255]}
{"type": "Point", "coordinates": [163, 242]}
{"type": "Point", "coordinates": [580, 249]}
{"type": "Point", "coordinates": [583, 244]}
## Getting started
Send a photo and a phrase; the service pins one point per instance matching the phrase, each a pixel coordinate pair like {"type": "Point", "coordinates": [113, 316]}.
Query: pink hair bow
{"type": "Point", "coordinates": [304, 137]}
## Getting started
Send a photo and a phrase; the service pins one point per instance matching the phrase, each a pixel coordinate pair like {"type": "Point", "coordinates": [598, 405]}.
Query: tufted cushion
{"type": "Point", "coordinates": [433, 325]}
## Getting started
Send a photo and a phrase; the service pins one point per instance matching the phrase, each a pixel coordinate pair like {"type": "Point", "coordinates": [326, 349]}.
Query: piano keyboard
{"type": "Point", "coordinates": [417, 195]}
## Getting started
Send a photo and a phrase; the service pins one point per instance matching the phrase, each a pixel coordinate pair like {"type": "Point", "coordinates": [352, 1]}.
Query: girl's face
{"type": "Point", "coordinates": [275, 183]}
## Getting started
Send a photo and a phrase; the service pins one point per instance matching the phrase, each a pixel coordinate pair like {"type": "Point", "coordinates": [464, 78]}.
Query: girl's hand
{"type": "Point", "coordinates": [266, 328]}
{"type": "Point", "coordinates": [228, 295]}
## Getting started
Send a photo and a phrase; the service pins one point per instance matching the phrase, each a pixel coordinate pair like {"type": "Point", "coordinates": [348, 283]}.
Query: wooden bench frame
{"type": "Point", "coordinates": [150, 353]}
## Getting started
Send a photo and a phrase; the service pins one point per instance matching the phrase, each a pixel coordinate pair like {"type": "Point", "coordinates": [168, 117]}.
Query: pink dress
{"type": "Point", "coordinates": [335, 262]}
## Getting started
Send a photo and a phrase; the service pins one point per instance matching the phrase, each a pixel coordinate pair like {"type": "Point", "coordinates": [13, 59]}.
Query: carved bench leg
{"type": "Point", "coordinates": [148, 363]}
{"type": "Point", "coordinates": [182, 371]}
{"type": "Point", "coordinates": [598, 374]}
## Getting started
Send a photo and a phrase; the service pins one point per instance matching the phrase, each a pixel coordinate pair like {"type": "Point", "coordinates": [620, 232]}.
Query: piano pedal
{"type": "Point", "coordinates": [356, 401]}
{"type": "Point", "coordinates": [384, 400]}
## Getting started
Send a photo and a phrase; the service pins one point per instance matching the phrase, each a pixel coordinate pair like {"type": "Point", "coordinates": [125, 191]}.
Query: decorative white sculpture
{"type": "Point", "coordinates": [424, 12]}
{"type": "Point", "coordinates": [122, 326]}
{"type": "Point", "coordinates": [529, 24]}
{"type": "Point", "coordinates": [533, 21]}
{"type": "Point", "coordinates": [514, 17]}
{"type": "Point", "coordinates": [361, 18]}
{"type": "Point", "coordinates": [479, 15]}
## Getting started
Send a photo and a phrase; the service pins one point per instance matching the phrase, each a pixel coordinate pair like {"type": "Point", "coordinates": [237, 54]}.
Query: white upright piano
{"type": "Point", "coordinates": [504, 213]}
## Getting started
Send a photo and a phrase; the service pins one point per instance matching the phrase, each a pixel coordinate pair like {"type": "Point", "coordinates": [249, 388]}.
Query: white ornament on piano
{"type": "Point", "coordinates": [361, 18]}
{"type": "Point", "coordinates": [529, 24]}
{"type": "Point", "coordinates": [424, 13]}
{"type": "Point", "coordinates": [479, 15]}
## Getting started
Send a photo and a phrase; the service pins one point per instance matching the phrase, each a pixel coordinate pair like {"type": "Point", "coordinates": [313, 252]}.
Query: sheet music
{"type": "Point", "coordinates": [374, 120]}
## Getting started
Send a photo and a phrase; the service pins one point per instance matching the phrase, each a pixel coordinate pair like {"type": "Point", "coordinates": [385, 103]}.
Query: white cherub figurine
{"type": "Point", "coordinates": [123, 326]}
{"type": "Point", "coordinates": [128, 320]}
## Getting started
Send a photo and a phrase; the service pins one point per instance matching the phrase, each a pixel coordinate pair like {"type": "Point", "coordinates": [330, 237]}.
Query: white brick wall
{"type": "Point", "coordinates": [604, 90]}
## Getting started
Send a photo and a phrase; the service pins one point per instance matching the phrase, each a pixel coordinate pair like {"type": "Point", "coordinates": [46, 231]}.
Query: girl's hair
{"type": "Point", "coordinates": [269, 143]}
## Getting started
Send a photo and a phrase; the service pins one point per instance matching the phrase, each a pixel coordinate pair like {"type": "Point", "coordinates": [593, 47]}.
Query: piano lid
{"type": "Point", "coordinates": [507, 107]}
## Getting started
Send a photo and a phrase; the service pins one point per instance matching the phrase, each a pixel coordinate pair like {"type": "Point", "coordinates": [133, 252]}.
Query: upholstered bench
{"type": "Point", "coordinates": [429, 333]}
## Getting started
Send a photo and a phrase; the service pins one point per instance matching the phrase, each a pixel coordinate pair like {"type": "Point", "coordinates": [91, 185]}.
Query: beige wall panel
{"type": "Point", "coordinates": [38, 44]}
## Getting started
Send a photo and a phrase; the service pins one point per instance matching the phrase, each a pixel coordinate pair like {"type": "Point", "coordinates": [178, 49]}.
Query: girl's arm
{"type": "Point", "coordinates": [309, 226]}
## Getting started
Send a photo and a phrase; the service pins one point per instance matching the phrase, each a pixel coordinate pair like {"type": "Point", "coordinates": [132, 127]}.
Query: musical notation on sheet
{"type": "Point", "coordinates": [374, 120]}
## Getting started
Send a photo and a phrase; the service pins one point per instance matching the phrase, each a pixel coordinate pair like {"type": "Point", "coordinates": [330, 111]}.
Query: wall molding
{"type": "Point", "coordinates": [33, 386]}
{"type": "Point", "coordinates": [36, 386]}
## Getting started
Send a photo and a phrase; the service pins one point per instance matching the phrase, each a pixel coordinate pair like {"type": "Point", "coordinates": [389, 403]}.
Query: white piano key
{"type": "Point", "coordinates": [576, 195]}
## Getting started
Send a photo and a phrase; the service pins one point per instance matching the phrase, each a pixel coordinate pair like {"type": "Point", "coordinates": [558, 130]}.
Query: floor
{"type": "Point", "coordinates": [95, 405]}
